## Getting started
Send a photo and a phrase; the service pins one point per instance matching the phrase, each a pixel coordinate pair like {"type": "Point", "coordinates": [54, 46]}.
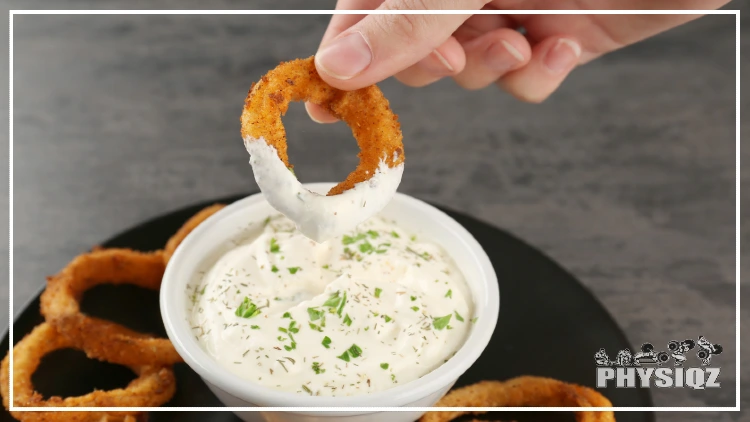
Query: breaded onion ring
{"type": "Point", "coordinates": [188, 227]}
{"type": "Point", "coordinates": [525, 391]}
{"type": "Point", "coordinates": [153, 387]}
{"type": "Point", "coordinates": [364, 192]}
{"type": "Point", "coordinates": [102, 339]}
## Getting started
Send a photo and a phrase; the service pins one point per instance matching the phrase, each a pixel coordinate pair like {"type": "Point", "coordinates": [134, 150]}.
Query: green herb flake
{"type": "Point", "coordinates": [325, 267]}
{"type": "Point", "coordinates": [344, 356]}
{"type": "Point", "coordinates": [394, 234]}
{"type": "Point", "coordinates": [459, 317]}
{"type": "Point", "coordinates": [441, 322]}
{"type": "Point", "coordinates": [343, 302]}
{"type": "Point", "coordinates": [247, 309]}
{"type": "Point", "coordinates": [293, 270]}
{"type": "Point", "coordinates": [366, 247]}
{"type": "Point", "coordinates": [348, 240]}
{"type": "Point", "coordinates": [347, 320]}
{"type": "Point", "coordinates": [326, 342]}
{"type": "Point", "coordinates": [387, 318]}
{"type": "Point", "coordinates": [274, 269]}
{"type": "Point", "coordinates": [315, 314]}
{"type": "Point", "coordinates": [203, 290]}
{"type": "Point", "coordinates": [449, 294]}
{"type": "Point", "coordinates": [274, 247]}
{"type": "Point", "coordinates": [473, 320]}
{"type": "Point", "coordinates": [355, 351]}
{"type": "Point", "coordinates": [373, 234]}
{"type": "Point", "coordinates": [333, 301]}
{"type": "Point", "coordinates": [384, 365]}
{"type": "Point", "coordinates": [255, 327]}
{"type": "Point", "coordinates": [378, 291]}
{"type": "Point", "coordinates": [415, 308]}
{"type": "Point", "coordinates": [307, 389]}
{"type": "Point", "coordinates": [287, 315]}
{"type": "Point", "coordinates": [413, 298]}
{"type": "Point", "coordinates": [316, 367]}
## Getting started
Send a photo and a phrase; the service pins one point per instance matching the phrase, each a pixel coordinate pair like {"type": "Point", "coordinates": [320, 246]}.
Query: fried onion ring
{"type": "Point", "coordinates": [365, 191]}
{"type": "Point", "coordinates": [153, 387]}
{"type": "Point", "coordinates": [100, 339]}
{"type": "Point", "coordinates": [188, 227]}
{"type": "Point", "coordinates": [523, 391]}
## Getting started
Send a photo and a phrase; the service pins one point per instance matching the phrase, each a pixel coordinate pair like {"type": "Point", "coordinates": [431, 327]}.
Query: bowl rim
{"type": "Point", "coordinates": [403, 394]}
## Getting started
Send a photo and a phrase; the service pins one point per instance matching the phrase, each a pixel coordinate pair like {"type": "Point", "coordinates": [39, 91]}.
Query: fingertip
{"type": "Point", "coordinates": [318, 114]}
{"type": "Point", "coordinates": [551, 61]}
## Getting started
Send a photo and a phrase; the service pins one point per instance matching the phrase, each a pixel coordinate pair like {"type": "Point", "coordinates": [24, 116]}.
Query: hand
{"type": "Point", "coordinates": [480, 50]}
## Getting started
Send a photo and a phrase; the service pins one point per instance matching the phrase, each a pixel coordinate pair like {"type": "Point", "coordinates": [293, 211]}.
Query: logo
{"type": "Point", "coordinates": [649, 367]}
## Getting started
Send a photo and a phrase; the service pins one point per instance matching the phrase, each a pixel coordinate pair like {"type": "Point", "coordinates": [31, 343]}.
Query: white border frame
{"type": "Point", "coordinates": [736, 13]}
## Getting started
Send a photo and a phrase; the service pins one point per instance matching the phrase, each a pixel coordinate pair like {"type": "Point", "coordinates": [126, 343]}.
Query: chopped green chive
{"type": "Point", "coordinates": [255, 327]}
{"type": "Point", "coordinates": [384, 365]}
{"type": "Point", "coordinates": [343, 302]}
{"type": "Point", "coordinates": [378, 291]}
{"type": "Point", "coordinates": [459, 317]}
{"type": "Point", "coordinates": [441, 322]}
{"type": "Point", "coordinates": [293, 270]}
{"type": "Point", "coordinates": [247, 309]}
{"type": "Point", "coordinates": [326, 342]}
{"type": "Point", "coordinates": [449, 294]}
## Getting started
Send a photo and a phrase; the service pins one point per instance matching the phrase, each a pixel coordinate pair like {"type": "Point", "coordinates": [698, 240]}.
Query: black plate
{"type": "Point", "coordinates": [549, 325]}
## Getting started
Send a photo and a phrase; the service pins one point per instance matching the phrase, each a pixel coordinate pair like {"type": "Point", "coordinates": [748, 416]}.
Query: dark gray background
{"type": "Point", "coordinates": [625, 176]}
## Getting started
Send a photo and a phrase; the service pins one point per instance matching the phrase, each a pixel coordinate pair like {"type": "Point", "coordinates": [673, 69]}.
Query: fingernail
{"type": "Point", "coordinates": [563, 56]}
{"type": "Point", "coordinates": [311, 113]}
{"type": "Point", "coordinates": [502, 56]}
{"type": "Point", "coordinates": [436, 64]}
{"type": "Point", "coordinates": [345, 57]}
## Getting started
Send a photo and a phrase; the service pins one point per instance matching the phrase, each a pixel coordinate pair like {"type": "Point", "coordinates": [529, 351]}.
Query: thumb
{"type": "Point", "coordinates": [381, 45]}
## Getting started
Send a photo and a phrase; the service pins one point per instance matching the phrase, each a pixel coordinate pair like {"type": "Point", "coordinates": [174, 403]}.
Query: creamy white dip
{"type": "Point", "coordinates": [360, 313]}
{"type": "Point", "coordinates": [320, 217]}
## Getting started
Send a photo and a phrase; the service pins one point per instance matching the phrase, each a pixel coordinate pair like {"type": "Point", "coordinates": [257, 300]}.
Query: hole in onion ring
{"type": "Point", "coordinates": [311, 144]}
{"type": "Point", "coordinates": [116, 303]}
{"type": "Point", "coordinates": [81, 375]}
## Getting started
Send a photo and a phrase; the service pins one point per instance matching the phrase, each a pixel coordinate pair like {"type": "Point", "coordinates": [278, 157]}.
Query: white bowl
{"type": "Point", "coordinates": [412, 215]}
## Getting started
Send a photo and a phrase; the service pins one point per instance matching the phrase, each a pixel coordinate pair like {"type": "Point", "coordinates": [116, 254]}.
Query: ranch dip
{"type": "Point", "coordinates": [317, 216]}
{"type": "Point", "coordinates": [359, 313]}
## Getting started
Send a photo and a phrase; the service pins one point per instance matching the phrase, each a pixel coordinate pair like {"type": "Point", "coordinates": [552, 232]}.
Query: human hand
{"type": "Point", "coordinates": [480, 50]}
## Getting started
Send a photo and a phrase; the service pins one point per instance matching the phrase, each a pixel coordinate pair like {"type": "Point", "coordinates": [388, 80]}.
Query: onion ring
{"type": "Point", "coordinates": [188, 227]}
{"type": "Point", "coordinates": [364, 192]}
{"type": "Point", "coordinates": [523, 391]}
{"type": "Point", "coordinates": [102, 339]}
{"type": "Point", "coordinates": [153, 387]}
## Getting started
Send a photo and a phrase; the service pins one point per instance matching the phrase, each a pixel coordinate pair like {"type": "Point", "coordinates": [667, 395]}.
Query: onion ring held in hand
{"type": "Point", "coordinates": [523, 391]}
{"type": "Point", "coordinates": [375, 127]}
{"type": "Point", "coordinates": [153, 387]}
{"type": "Point", "coordinates": [188, 227]}
{"type": "Point", "coordinates": [102, 339]}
